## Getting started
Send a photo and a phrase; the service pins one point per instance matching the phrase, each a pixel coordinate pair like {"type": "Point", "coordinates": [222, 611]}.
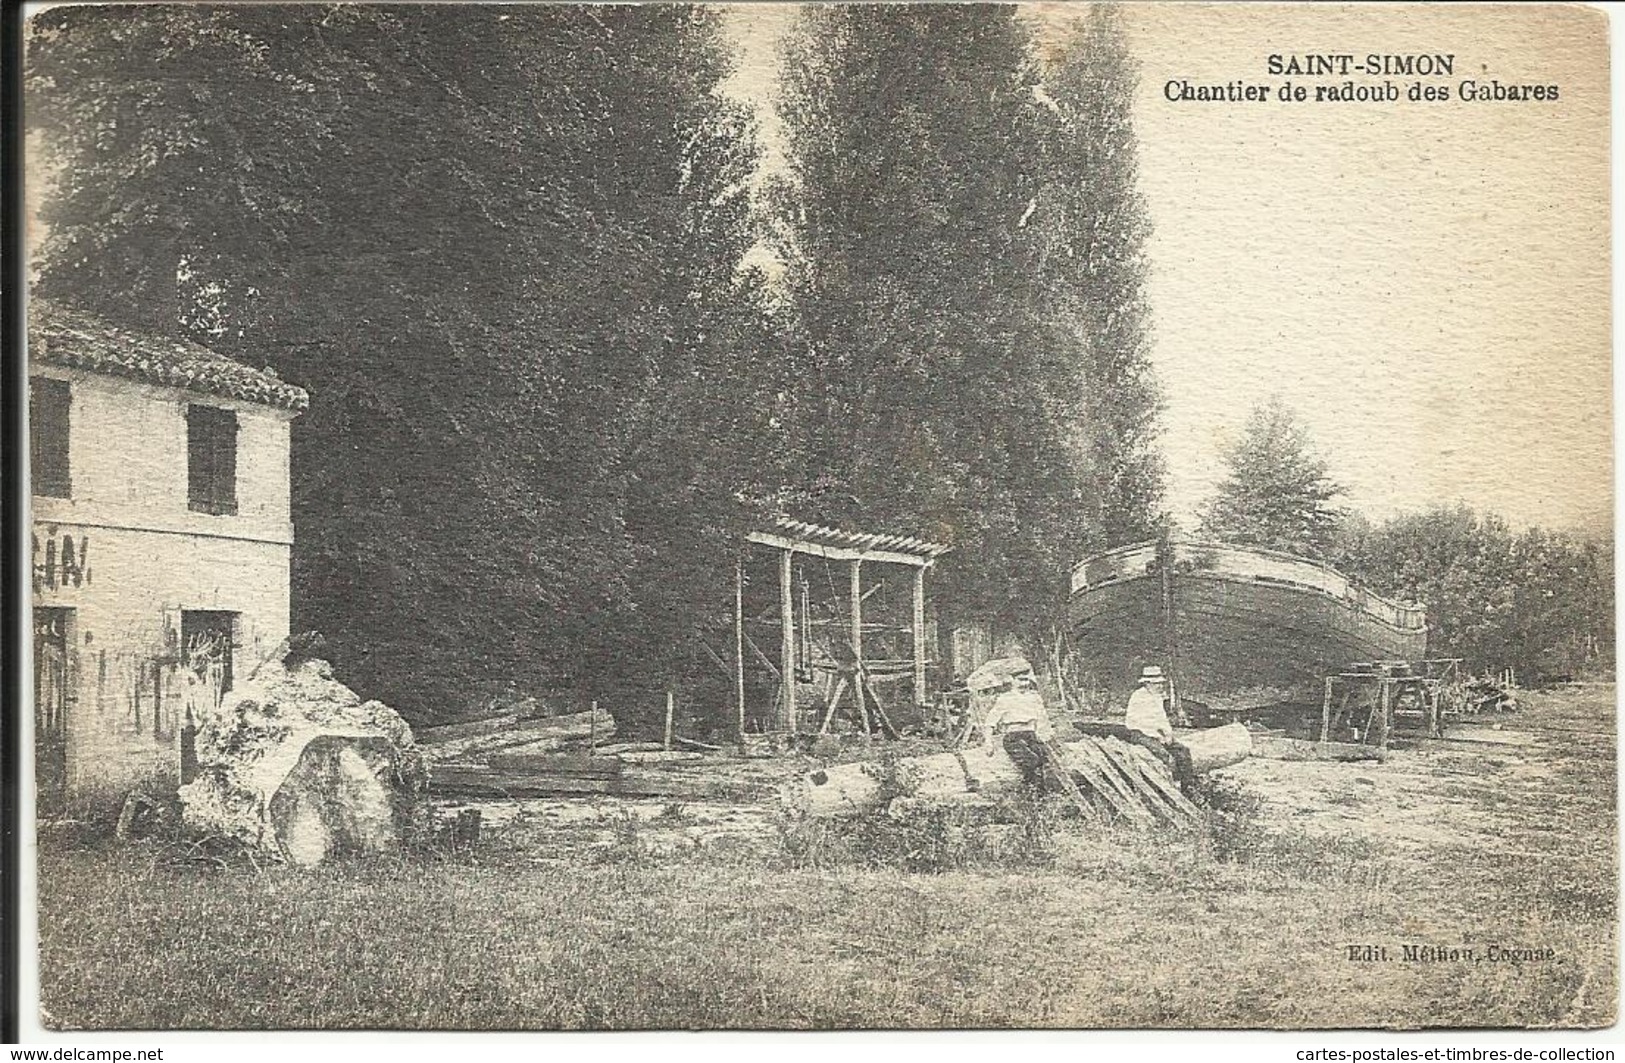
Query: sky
{"type": "Point", "coordinates": [1426, 284]}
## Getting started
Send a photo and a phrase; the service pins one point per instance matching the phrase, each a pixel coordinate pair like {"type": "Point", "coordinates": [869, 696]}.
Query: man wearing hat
{"type": "Point", "coordinates": [1147, 706]}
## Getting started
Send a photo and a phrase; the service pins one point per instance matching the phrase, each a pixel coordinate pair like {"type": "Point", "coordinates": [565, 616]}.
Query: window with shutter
{"type": "Point", "coordinates": [48, 407]}
{"type": "Point", "coordinates": [211, 459]}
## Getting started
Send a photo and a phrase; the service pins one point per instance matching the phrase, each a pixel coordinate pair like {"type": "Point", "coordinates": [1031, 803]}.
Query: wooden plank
{"type": "Point", "coordinates": [857, 644]}
{"type": "Point", "coordinates": [762, 658]}
{"type": "Point", "coordinates": [1158, 775]}
{"type": "Point", "coordinates": [1085, 757]}
{"type": "Point", "coordinates": [919, 636]}
{"type": "Point", "coordinates": [1063, 777]}
{"type": "Point", "coordinates": [787, 644]}
{"type": "Point", "coordinates": [469, 729]}
{"type": "Point", "coordinates": [617, 748]}
{"type": "Point", "coordinates": [716, 657]}
{"type": "Point", "coordinates": [662, 756]}
{"type": "Point", "coordinates": [555, 763]}
{"type": "Point", "coordinates": [580, 727]}
{"type": "Point", "coordinates": [739, 640]}
{"type": "Point", "coordinates": [1140, 791]}
{"type": "Point", "coordinates": [838, 553]}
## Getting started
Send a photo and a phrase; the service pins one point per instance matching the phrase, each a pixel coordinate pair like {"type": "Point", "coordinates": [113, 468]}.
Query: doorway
{"type": "Point", "coordinates": [206, 638]}
{"type": "Point", "coordinates": [52, 696]}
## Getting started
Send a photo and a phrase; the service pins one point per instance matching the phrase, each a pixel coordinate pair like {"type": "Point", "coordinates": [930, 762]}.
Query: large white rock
{"type": "Point", "coordinates": [295, 765]}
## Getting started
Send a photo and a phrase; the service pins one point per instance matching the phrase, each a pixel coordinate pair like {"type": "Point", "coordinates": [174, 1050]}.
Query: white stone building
{"type": "Point", "coordinates": [161, 542]}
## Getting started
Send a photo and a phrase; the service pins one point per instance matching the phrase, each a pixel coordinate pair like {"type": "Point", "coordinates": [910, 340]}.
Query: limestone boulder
{"type": "Point", "coordinates": [296, 766]}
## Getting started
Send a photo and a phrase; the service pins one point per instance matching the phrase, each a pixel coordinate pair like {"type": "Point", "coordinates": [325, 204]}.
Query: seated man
{"type": "Point", "coordinates": [1005, 697]}
{"type": "Point", "coordinates": [1147, 706]}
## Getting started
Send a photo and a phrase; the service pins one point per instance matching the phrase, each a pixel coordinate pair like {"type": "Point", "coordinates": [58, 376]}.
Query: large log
{"type": "Point", "coordinates": [469, 780]}
{"type": "Point", "coordinates": [576, 727]}
{"type": "Point", "coordinates": [1216, 747]}
{"type": "Point", "coordinates": [854, 789]}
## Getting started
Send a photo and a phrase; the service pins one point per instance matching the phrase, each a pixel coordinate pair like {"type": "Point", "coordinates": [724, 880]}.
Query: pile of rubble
{"type": "Point", "coordinates": [295, 766]}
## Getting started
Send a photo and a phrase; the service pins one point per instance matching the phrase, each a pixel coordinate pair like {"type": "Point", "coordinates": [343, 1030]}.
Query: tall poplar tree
{"type": "Point", "coordinates": [1098, 225]}
{"type": "Point", "coordinates": [933, 397]}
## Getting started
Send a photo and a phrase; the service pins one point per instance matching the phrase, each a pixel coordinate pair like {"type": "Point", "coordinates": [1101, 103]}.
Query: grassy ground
{"type": "Point", "coordinates": [654, 916]}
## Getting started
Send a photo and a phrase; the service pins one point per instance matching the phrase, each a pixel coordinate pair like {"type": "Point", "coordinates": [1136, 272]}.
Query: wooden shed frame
{"type": "Point", "coordinates": [789, 537]}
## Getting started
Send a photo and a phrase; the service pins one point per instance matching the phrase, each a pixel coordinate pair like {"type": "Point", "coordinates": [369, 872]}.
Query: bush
{"type": "Point", "coordinates": [928, 838]}
{"type": "Point", "coordinates": [1233, 827]}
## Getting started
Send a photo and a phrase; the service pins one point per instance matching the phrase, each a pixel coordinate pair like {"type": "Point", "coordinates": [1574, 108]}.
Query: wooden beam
{"type": "Point", "coordinates": [756, 651]}
{"type": "Point", "coordinates": [857, 644]}
{"type": "Point", "coordinates": [739, 640]}
{"type": "Point", "coordinates": [787, 645]}
{"type": "Point", "coordinates": [919, 636]}
{"type": "Point", "coordinates": [838, 553]}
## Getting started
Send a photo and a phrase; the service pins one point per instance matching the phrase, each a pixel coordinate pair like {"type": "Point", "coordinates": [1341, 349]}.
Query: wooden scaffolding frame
{"type": "Point", "coordinates": [790, 537]}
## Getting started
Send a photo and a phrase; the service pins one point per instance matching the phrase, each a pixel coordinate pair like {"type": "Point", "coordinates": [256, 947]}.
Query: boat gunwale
{"type": "Point", "coordinates": [1358, 600]}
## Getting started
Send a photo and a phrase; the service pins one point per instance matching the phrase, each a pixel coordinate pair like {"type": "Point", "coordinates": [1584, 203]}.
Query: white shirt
{"type": "Point", "coordinates": [1146, 714]}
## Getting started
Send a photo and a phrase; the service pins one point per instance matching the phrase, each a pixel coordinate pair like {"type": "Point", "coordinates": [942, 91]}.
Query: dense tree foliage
{"type": "Point", "coordinates": [1534, 600]}
{"type": "Point", "coordinates": [941, 394]}
{"type": "Point", "coordinates": [1277, 492]}
{"type": "Point", "coordinates": [1097, 226]}
{"type": "Point", "coordinates": [501, 248]}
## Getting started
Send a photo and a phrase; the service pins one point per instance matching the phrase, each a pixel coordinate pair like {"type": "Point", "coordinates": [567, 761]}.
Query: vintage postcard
{"type": "Point", "coordinates": [857, 516]}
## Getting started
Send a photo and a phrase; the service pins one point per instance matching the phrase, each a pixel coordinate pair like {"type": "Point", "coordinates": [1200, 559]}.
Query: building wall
{"type": "Point", "coordinates": [127, 556]}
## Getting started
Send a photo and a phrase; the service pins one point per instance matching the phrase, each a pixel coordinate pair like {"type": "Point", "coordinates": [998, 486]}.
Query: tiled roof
{"type": "Point", "coordinates": [71, 338]}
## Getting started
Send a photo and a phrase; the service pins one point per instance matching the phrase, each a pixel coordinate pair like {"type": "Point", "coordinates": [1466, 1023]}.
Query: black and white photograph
{"type": "Point", "coordinates": [815, 517]}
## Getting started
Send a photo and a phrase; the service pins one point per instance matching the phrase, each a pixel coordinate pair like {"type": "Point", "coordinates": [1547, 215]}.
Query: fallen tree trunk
{"type": "Point", "coordinates": [469, 780]}
{"type": "Point", "coordinates": [580, 727]}
{"type": "Point", "coordinates": [1216, 747]}
{"type": "Point", "coordinates": [853, 789]}
{"type": "Point", "coordinates": [1111, 770]}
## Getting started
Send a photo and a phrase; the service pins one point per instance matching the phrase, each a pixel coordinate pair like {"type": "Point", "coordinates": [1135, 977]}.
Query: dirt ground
{"type": "Point", "coordinates": [1463, 884]}
{"type": "Point", "coordinates": [1532, 783]}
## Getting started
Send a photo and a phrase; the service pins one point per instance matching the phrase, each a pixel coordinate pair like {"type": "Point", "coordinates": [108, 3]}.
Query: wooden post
{"type": "Point", "coordinates": [739, 641]}
{"type": "Point", "coordinates": [592, 727]}
{"type": "Point", "coordinates": [670, 704]}
{"type": "Point", "coordinates": [857, 645]}
{"type": "Point", "coordinates": [919, 635]}
{"type": "Point", "coordinates": [787, 645]}
{"type": "Point", "coordinates": [1170, 637]}
{"type": "Point", "coordinates": [1326, 712]}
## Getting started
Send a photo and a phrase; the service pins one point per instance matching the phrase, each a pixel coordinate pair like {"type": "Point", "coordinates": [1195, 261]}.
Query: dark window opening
{"type": "Point", "coordinates": [211, 460]}
{"type": "Point", "coordinates": [48, 402]}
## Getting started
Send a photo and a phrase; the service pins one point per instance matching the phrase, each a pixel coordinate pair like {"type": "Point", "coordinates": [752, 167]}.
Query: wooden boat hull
{"type": "Point", "coordinates": [1237, 627]}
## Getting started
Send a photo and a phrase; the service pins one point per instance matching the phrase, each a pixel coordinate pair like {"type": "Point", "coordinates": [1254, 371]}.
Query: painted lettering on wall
{"type": "Point", "coordinates": [60, 560]}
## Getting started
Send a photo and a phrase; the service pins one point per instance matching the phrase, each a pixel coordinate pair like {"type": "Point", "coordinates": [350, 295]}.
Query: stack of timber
{"type": "Point", "coordinates": [513, 756]}
{"type": "Point", "coordinates": [516, 734]}
{"type": "Point", "coordinates": [1106, 776]}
